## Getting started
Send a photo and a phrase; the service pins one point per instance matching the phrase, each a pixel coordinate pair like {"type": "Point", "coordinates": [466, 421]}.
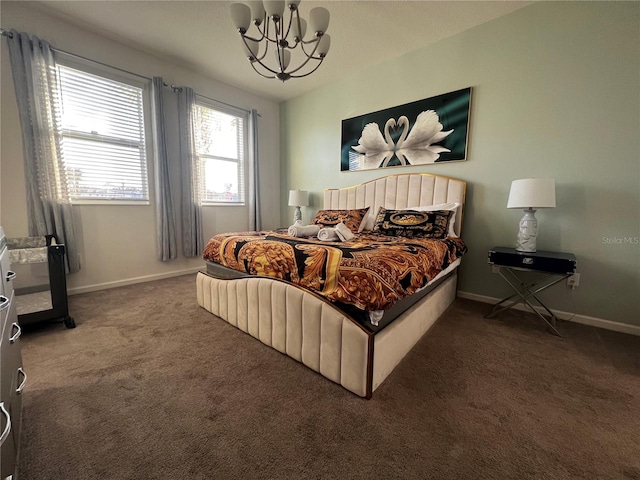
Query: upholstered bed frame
{"type": "Point", "coordinates": [311, 330]}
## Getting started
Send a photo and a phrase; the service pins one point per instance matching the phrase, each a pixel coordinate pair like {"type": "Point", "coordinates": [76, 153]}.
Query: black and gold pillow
{"type": "Point", "coordinates": [330, 218]}
{"type": "Point", "coordinates": [411, 223]}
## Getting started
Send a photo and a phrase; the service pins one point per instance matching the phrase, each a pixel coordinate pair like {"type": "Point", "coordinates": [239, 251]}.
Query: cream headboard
{"type": "Point", "coordinates": [399, 191]}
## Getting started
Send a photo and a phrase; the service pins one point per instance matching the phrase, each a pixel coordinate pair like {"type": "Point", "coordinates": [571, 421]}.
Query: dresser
{"type": "Point", "coordinates": [12, 375]}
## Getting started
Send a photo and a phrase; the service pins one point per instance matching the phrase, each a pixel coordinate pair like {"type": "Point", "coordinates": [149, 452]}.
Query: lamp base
{"type": "Point", "coordinates": [297, 215]}
{"type": "Point", "coordinates": [528, 232]}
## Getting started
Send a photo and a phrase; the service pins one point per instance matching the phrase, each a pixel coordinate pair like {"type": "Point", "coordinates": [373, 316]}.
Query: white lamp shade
{"type": "Point", "coordinates": [302, 31]}
{"type": "Point", "coordinates": [283, 57]}
{"type": "Point", "coordinates": [257, 10]}
{"type": "Point", "coordinates": [274, 7]}
{"type": "Point", "coordinates": [532, 193]}
{"type": "Point", "coordinates": [323, 47]}
{"type": "Point", "coordinates": [241, 16]}
{"type": "Point", "coordinates": [319, 19]}
{"type": "Point", "coordinates": [298, 198]}
{"type": "Point", "coordinates": [251, 47]}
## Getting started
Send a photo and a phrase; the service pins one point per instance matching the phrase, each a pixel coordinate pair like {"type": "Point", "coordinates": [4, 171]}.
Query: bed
{"type": "Point", "coordinates": [356, 346]}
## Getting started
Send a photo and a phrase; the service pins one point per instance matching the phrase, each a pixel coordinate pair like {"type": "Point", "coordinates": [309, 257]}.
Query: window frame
{"type": "Point", "coordinates": [236, 112]}
{"type": "Point", "coordinates": [112, 73]}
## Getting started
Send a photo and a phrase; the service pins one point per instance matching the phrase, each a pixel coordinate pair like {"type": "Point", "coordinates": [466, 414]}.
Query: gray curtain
{"type": "Point", "coordinates": [255, 218]}
{"type": "Point", "coordinates": [165, 218]}
{"type": "Point", "coordinates": [36, 86]}
{"type": "Point", "coordinates": [192, 237]}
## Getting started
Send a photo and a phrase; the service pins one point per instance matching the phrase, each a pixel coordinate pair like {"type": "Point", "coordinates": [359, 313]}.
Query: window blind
{"type": "Point", "coordinates": [103, 137]}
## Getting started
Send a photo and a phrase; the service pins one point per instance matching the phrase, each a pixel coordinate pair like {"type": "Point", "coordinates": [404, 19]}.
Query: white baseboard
{"type": "Point", "coordinates": [584, 319]}
{"type": "Point", "coordinates": [132, 281]}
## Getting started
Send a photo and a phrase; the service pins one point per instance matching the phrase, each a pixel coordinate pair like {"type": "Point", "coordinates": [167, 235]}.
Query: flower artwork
{"type": "Point", "coordinates": [419, 133]}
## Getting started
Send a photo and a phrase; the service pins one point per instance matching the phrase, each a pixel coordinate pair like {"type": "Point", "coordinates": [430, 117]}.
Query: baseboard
{"type": "Point", "coordinates": [132, 281]}
{"type": "Point", "coordinates": [568, 316]}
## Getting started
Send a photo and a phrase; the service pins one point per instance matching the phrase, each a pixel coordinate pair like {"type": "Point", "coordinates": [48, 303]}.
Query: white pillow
{"type": "Point", "coordinates": [453, 206]}
{"type": "Point", "coordinates": [369, 220]}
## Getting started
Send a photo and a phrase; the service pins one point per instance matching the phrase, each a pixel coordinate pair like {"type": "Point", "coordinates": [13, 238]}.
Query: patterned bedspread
{"type": "Point", "coordinates": [371, 272]}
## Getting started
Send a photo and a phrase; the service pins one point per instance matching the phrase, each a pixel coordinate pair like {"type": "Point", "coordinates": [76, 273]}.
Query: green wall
{"type": "Point", "coordinates": [556, 93]}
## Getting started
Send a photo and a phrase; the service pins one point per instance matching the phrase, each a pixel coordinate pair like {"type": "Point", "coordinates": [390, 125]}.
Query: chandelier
{"type": "Point", "coordinates": [285, 37]}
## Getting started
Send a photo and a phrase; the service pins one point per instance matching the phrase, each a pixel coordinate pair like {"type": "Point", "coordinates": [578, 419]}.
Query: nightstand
{"type": "Point", "coordinates": [508, 262]}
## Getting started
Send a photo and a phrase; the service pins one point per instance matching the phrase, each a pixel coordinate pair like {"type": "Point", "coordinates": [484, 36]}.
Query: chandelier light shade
{"type": "Point", "coordinates": [279, 28]}
{"type": "Point", "coordinates": [530, 194]}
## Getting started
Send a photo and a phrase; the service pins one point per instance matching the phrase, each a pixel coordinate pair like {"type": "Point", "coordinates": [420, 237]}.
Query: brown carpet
{"type": "Point", "coordinates": [150, 386]}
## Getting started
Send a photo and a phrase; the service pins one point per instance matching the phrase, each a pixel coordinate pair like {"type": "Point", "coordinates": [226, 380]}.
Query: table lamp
{"type": "Point", "coordinates": [298, 198]}
{"type": "Point", "coordinates": [530, 194]}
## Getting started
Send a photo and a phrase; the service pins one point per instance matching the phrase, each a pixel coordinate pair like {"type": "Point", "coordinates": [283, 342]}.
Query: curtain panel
{"type": "Point", "coordinates": [36, 86]}
{"type": "Point", "coordinates": [255, 218]}
{"type": "Point", "coordinates": [192, 236]}
{"type": "Point", "coordinates": [166, 238]}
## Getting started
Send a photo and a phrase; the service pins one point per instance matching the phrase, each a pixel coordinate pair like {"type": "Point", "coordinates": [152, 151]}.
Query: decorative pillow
{"type": "Point", "coordinates": [330, 218]}
{"type": "Point", "coordinates": [453, 206]}
{"type": "Point", "coordinates": [411, 223]}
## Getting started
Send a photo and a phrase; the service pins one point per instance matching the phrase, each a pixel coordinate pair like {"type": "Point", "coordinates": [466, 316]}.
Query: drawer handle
{"type": "Point", "coordinates": [4, 302]}
{"type": "Point", "coordinates": [7, 427]}
{"type": "Point", "coordinates": [10, 275]}
{"type": "Point", "coordinates": [17, 334]}
{"type": "Point", "coordinates": [24, 381]}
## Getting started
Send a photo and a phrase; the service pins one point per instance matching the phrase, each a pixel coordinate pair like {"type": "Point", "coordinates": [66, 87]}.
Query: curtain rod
{"type": "Point", "coordinates": [224, 103]}
{"type": "Point", "coordinates": [4, 33]}
{"type": "Point", "coordinates": [175, 88]}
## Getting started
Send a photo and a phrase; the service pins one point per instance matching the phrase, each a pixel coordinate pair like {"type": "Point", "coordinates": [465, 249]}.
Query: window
{"type": "Point", "coordinates": [220, 148]}
{"type": "Point", "coordinates": [103, 137]}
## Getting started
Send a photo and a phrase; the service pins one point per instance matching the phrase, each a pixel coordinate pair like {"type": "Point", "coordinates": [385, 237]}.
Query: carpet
{"type": "Point", "coordinates": [151, 386]}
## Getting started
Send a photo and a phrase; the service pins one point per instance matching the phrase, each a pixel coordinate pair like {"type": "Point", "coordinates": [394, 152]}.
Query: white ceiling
{"type": "Point", "coordinates": [199, 34]}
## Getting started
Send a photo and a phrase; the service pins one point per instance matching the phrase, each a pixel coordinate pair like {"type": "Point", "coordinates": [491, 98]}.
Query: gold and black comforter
{"type": "Point", "coordinates": [371, 272]}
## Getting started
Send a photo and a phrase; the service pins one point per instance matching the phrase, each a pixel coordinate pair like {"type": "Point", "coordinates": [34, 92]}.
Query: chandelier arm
{"type": "Point", "coordinates": [275, 72]}
{"type": "Point", "coordinates": [279, 54]}
{"type": "Point", "coordinates": [305, 63]}
{"type": "Point", "coordinates": [266, 67]}
{"type": "Point", "coordinates": [313, 40]}
{"type": "Point", "coordinates": [277, 26]}
{"type": "Point", "coordinates": [261, 31]}
{"type": "Point", "coordinates": [267, 22]}
{"type": "Point", "coordinates": [262, 74]}
{"type": "Point", "coordinates": [315, 47]}
{"type": "Point", "coordinates": [291, 12]}
{"type": "Point", "coordinates": [309, 73]}
{"type": "Point", "coordinates": [252, 38]}
{"type": "Point", "coordinates": [244, 39]}
{"type": "Point", "coordinates": [279, 47]}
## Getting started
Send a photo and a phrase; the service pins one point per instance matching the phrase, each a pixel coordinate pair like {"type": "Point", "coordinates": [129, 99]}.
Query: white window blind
{"type": "Point", "coordinates": [103, 137]}
{"type": "Point", "coordinates": [220, 148]}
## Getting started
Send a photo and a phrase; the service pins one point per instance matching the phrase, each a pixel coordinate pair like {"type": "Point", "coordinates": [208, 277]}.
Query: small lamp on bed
{"type": "Point", "coordinates": [530, 194]}
{"type": "Point", "coordinates": [298, 198]}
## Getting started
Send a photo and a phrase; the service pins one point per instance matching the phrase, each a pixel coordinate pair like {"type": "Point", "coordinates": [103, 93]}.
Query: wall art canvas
{"type": "Point", "coordinates": [433, 130]}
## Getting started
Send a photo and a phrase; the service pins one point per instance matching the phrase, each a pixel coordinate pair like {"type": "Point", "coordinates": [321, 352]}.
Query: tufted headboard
{"type": "Point", "coordinates": [399, 191]}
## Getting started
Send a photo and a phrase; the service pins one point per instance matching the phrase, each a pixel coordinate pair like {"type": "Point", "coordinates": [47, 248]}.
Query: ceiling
{"type": "Point", "coordinates": [199, 35]}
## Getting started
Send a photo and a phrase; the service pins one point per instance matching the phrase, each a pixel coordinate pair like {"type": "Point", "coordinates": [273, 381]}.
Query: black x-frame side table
{"type": "Point", "coordinates": [508, 262]}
